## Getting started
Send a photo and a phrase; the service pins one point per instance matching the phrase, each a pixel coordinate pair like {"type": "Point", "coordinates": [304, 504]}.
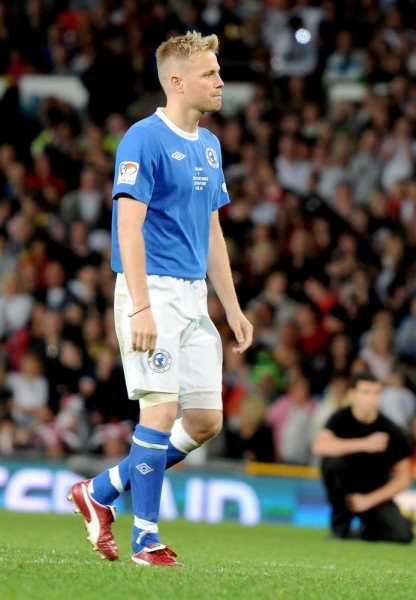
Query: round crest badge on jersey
{"type": "Point", "coordinates": [160, 361]}
{"type": "Point", "coordinates": [212, 158]}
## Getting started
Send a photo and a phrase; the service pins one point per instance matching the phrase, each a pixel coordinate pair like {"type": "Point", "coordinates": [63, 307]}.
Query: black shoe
{"type": "Point", "coordinates": [333, 535]}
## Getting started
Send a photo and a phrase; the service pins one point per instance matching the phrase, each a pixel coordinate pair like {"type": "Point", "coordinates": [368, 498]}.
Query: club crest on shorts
{"type": "Point", "coordinates": [212, 157]}
{"type": "Point", "coordinates": [160, 361]}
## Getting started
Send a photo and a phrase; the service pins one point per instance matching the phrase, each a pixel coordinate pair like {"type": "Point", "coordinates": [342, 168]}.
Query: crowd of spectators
{"type": "Point", "coordinates": [321, 230]}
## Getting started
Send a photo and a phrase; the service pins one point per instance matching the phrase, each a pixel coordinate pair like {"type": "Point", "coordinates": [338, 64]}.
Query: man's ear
{"type": "Point", "coordinates": [177, 83]}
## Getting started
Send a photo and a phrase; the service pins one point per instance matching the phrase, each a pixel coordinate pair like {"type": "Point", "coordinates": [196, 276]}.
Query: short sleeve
{"type": "Point", "coordinates": [399, 448]}
{"type": "Point", "coordinates": [221, 197]}
{"type": "Point", "coordinates": [335, 422]}
{"type": "Point", "coordinates": [135, 166]}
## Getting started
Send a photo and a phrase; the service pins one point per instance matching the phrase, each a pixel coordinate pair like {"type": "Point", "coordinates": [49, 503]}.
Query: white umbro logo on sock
{"type": "Point", "coordinates": [178, 155]}
{"type": "Point", "coordinates": [144, 468]}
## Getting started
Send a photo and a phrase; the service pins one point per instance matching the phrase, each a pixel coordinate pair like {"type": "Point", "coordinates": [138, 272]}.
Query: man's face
{"type": "Point", "coordinates": [202, 83]}
{"type": "Point", "coordinates": [365, 398]}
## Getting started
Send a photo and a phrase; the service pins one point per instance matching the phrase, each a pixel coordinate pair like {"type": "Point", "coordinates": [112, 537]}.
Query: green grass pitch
{"type": "Point", "coordinates": [46, 557]}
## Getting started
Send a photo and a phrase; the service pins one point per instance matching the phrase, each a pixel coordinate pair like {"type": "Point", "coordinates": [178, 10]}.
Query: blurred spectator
{"type": "Point", "coordinates": [290, 418]}
{"type": "Point", "coordinates": [67, 432]}
{"type": "Point", "coordinates": [398, 403]}
{"type": "Point", "coordinates": [293, 169]}
{"type": "Point", "coordinates": [85, 203]}
{"type": "Point", "coordinates": [334, 398]}
{"type": "Point", "coordinates": [6, 421]}
{"type": "Point", "coordinates": [93, 336]}
{"type": "Point", "coordinates": [235, 378]}
{"type": "Point", "coordinates": [290, 362]}
{"type": "Point", "coordinates": [345, 65]}
{"type": "Point", "coordinates": [365, 167]}
{"type": "Point", "coordinates": [298, 261]}
{"type": "Point", "coordinates": [113, 439]}
{"type": "Point", "coordinates": [275, 293]}
{"type": "Point", "coordinates": [70, 366]}
{"type": "Point", "coordinates": [8, 258]}
{"type": "Point", "coordinates": [294, 49]}
{"type": "Point", "coordinates": [365, 464]}
{"type": "Point", "coordinates": [116, 127]}
{"type": "Point", "coordinates": [263, 320]}
{"type": "Point", "coordinates": [83, 287]}
{"type": "Point", "coordinates": [322, 298]}
{"type": "Point", "coordinates": [42, 175]}
{"type": "Point", "coordinates": [377, 353]}
{"type": "Point", "coordinates": [54, 294]}
{"type": "Point", "coordinates": [29, 406]}
{"type": "Point", "coordinates": [108, 445]}
{"type": "Point", "coordinates": [15, 305]}
{"type": "Point", "coordinates": [313, 337]}
{"type": "Point", "coordinates": [107, 383]}
{"type": "Point", "coordinates": [405, 338]}
{"type": "Point", "coordinates": [398, 152]}
{"type": "Point", "coordinates": [247, 435]}
{"type": "Point", "coordinates": [275, 20]}
{"type": "Point", "coordinates": [267, 376]}
{"type": "Point", "coordinates": [338, 360]}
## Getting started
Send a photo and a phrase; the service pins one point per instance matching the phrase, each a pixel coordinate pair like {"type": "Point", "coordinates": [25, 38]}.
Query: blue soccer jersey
{"type": "Point", "coordinates": [179, 176]}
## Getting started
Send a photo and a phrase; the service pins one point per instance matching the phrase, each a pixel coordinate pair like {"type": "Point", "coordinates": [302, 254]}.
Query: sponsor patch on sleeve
{"type": "Point", "coordinates": [224, 187]}
{"type": "Point", "coordinates": [127, 172]}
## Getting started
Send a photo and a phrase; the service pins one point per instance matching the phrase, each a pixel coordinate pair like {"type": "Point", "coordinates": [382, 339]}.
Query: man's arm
{"type": "Point", "coordinates": [401, 480]}
{"type": "Point", "coordinates": [131, 216]}
{"type": "Point", "coordinates": [328, 444]}
{"type": "Point", "coordinates": [219, 272]}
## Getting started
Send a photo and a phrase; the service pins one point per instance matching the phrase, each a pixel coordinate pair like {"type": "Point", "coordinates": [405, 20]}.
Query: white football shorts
{"type": "Point", "coordinates": [188, 355]}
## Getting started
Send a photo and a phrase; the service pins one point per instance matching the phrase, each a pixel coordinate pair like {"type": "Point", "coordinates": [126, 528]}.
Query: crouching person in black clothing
{"type": "Point", "coordinates": [365, 464]}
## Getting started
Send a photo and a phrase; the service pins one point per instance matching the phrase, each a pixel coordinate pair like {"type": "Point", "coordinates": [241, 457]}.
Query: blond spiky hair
{"type": "Point", "coordinates": [182, 48]}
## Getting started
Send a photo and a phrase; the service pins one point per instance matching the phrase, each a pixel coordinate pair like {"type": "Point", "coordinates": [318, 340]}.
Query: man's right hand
{"type": "Point", "coordinates": [143, 332]}
{"type": "Point", "coordinates": [376, 442]}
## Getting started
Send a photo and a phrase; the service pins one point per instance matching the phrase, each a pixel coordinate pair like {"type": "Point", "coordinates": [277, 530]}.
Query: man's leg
{"type": "Point", "coordinates": [144, 466]}
{"type": "Point", "coordinates": [93, 498]}
{"type": "Point", "coordinates": [147, 467]}
{"type": "Point", "coordinates": [106, 487]}
{"type": "Point", "coordinates": [144, 469]}
{"type": "Point", "coordinates": [196, 427]}
{"type": "Point", "coordinates": [337, 479]}
{"type": "Point", "coordinates": [386, 523]}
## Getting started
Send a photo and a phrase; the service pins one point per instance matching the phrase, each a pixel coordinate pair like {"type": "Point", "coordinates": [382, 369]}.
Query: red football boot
{"type": "Point", "coordinates": [98, 519]}
{"type": "Point", "coordinates": [157, 555]}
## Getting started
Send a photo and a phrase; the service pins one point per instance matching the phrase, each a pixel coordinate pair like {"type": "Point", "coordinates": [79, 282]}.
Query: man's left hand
{"type": "Point", "coordinates": [358, 503]}
{"type": "Point", "coordinates": [243, 331]}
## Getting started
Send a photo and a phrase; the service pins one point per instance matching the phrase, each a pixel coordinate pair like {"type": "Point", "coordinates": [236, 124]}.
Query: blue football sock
{"type": "Point", "coordinates": [147, 467]}
{"type": "Point", "coordinates": [173, 455]}
{"type": "Point", "coordinates": [109, 484]}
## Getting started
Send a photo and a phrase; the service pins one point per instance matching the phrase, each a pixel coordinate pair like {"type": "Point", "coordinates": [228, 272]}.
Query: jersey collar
{"type": "Point", "coordinates": [184, 134]}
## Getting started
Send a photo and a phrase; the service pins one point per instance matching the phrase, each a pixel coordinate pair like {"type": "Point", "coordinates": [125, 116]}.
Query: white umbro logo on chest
{"type": "Point", "coordinates": [178, 155]}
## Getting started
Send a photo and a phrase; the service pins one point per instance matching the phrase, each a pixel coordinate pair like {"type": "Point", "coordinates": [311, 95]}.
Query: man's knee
{"type": "Point", "coordinates": [388, 524]}
{"type": "Point", "coordinates": [212, 425]}
{"type": "Point", "coordinates": [207, 427]}
{"type": "Point", "coordinates": [158, 410]}
{"type": "Point", "coordinates": [202, 425]}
